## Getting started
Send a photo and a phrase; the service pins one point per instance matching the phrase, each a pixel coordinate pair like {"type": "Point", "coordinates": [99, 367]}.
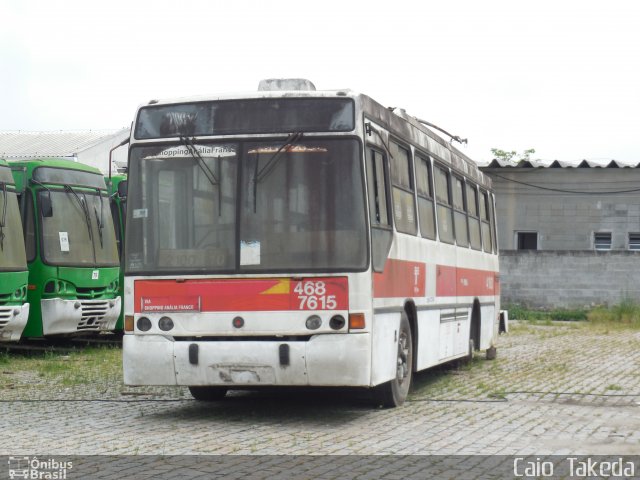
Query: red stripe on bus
{"type": "Point", "coordinates": [229, 295]}
{"type": "Point", "coordinates": [465, 282]}
{"type": "Point", "coordinates": [400, 279]}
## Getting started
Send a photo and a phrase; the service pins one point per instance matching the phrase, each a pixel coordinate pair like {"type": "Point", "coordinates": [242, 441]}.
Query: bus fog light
{"type": "Point", "coordinates": [144, 324]}
{"type": "Point", "coordinates": [77, 305]}
{"type": "Point", "coordinates": [16, 312]}
{"type": "Point", "coordinates": [313, 322]}
{"type": "Point", "coordinates": [337, 322]}
{"type": "Point", "coordinates": [165, 324]}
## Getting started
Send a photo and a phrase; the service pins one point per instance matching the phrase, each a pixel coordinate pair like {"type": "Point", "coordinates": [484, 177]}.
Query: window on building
{"type": "Point", "coordinates": [602, 240]}
{"type": "Point", "coordinates": [527, 240]}
{"type": "Point", "coordinates": [634, 241]}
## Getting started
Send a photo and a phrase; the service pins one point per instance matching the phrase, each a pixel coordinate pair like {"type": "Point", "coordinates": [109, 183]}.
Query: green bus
{"type": "Point", "coordinates": [71, 248]}
{"type": "Point", "coordinates": [117, 188]}
{"type": "Point", "coordinates": [14, 311]}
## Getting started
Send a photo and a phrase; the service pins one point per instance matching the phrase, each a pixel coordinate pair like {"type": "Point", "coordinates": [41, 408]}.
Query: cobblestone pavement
{"type": "Point", "coordinates": [552, 390]}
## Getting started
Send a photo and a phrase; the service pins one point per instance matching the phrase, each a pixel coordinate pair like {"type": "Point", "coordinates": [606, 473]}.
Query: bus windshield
{"type": "Point", "coordinates": [80, 230]}
{"type": "Point", "coordinates": [266, 206]}
{"type": "Point", "coordinates": [12, 252]}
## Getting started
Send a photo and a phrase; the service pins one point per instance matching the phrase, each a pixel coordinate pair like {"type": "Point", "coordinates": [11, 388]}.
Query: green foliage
{"type": "Point", "coordinates": [626, 313]}
{"type": "Point", "coordinates": [517, 312]}
{"type": "Point", "coordinates": [512, 156]}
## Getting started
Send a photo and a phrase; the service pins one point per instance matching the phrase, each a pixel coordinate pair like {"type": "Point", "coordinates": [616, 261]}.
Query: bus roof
{"type": "Point", "coordinates": [395, 120]}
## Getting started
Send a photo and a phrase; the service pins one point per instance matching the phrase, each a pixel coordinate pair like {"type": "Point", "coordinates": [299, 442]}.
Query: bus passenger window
{"type": "Point", "coordinates": [487, 237]}
{"type": "Point", "coordinates": [445, 212]}
{"type": "Point", "coordinates": [377, 189]}
{"type": "Point", "coordinates": [474, 218]}
{"type": "Point", "coordinates": [425, 198]}
{"type": "Point", "coordinates": [459, 215]}
{"type": "Point", "coordinates": [29, 228]}
{"type": "Point", "coordinates": [402, 180]}
{"type": "Point", "coordinates": [381, 231]}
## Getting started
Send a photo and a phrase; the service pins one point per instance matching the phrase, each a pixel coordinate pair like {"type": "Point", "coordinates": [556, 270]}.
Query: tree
{"type": "Point", "coordinates": [512, 156]}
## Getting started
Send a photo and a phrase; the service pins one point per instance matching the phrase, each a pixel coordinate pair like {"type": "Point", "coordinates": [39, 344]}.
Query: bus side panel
{"type": "Point", "coordinates": [428, 338]}
{"type": "Point", "coordinates": [384, 347]}
{"type": "Point", "coordinates": [148, 360]}
{"type": "Point", "coordinates": [488, 328]}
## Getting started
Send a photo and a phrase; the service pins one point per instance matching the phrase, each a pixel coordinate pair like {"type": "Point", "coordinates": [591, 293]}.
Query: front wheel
{"type": "Point", "coordinates": [394, 393]}
{"type": "Point", "coordinates": [208, 394]}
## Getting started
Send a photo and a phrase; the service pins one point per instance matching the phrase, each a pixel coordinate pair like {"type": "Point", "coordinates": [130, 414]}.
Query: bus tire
{"type": "Point", "coordinates": [208, 394]}
{"type": "Point", "coordinates": [393, 393]}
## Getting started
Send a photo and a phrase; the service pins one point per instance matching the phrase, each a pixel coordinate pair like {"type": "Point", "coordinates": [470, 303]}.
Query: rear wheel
{"type": "Point", "coordinates": [208, 394]}
{"type": "Point", "coordinates": [394, 393]}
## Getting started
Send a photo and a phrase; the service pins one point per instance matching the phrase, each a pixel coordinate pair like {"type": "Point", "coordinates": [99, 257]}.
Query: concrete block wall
{"type": "Point", "coordinates": [568, 279]}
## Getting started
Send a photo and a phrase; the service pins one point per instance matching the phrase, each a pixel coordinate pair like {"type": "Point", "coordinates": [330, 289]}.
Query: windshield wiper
{"type": "Point", "coordinates": [4, 214]}
{"type": "Point", "coordinates": [273, 161]}
{"type": "Point", "coordinates": [258, 176]}
{"type": "Point", "coordinates": [99, 220]}
{"type": "Point", "coordinates": [193, 151]}
{"type": "Point", "coordinates": [85, 210]}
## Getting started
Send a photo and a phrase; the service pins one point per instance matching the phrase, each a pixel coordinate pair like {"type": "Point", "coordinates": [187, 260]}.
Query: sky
{"type": "Point", "coordinates": [561, 77]}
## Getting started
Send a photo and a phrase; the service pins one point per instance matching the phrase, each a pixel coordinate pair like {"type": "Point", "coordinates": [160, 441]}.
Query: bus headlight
{"type": "Point", "coordinates": [337, 322]}
{"type": "Point", "coordinates": [165, 324]}
{"type": "Point", "coordinates": [143, 324]}
{"type": "Point", "coordinates": [313, 322]}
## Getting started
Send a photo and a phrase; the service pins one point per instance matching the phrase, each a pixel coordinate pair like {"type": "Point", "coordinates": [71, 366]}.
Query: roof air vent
{"type": "Point", "coordinates": [274, 84]}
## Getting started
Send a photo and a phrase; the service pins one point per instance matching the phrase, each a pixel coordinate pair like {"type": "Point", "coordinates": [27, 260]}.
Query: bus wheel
{"type": "Point", "coordinates": [208, 394]}
{"type": "Point", "coordinates": [394, 393]}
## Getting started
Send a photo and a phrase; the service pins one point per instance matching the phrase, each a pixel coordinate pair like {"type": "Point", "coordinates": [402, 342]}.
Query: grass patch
{"type": "Point", "coordinates": [517, 312]}
{"type": "Point", "coordinates": [627, 313]}
{"type": "Point", "coordinates": [82, 367]}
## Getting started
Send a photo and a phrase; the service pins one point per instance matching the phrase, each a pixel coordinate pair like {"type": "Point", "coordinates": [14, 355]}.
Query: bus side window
{"type": "Point", "coordinates": [404, 211]}
{"type": "Point", "coordinates": [425, 198]}
{"type": "Point", "coordinates": [460, 215]}
{"type": "Point", "coordinates": [445, 212]}
{"type": "Point", "coordinates": [474, 218]}
{"type": "Point", "coordinates": [494, 236]}
{"type": "Point", "coordinates": [29, 227]}
{"type": "Point", "coordinates": [485, 211]}
{"type": "Point", "coordinates": [378, 188]}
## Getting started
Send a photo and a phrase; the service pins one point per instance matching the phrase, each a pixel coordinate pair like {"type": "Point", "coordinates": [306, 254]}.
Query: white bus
{"type": "Point", "coordinates": [301, 238]}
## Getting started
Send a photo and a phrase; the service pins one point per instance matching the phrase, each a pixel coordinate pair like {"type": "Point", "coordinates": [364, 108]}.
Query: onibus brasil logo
{"type": "Point", "coordinates": [38, 469]}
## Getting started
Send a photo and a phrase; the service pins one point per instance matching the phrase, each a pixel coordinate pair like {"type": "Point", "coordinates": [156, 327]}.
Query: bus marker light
{"type": "Point", "coordinates": [356, 321]}
{"type": "Point", "coordinates": [31, 286]}
{"type": "Point", "coordinates": [313, 322]}
{"type": "Point", "coordinates": [128, 323]}
{"type": "Point", "coordinates": [238, 322]}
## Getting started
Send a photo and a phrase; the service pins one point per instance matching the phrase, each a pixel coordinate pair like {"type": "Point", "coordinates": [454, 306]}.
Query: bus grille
{"type": "Point", "coordinates": [89, 293]}
{"type": "Point", "coordinates": [93, 313]}
{"type": "Point", "coordinates": [5, 315]}
{"type": "Point", "coordinates": [4, 299]}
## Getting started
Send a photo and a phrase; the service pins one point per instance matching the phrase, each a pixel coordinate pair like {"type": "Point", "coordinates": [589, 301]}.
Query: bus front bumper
{"type": "Point", "coordinates": [13, 319]}
{"type": "Point", "coordinates": [77, 316]}
{"type": "Point", "coordinates": [323, 360]}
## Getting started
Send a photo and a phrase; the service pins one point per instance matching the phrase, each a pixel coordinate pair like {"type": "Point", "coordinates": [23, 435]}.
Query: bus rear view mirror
{"type": "Point", "coordinates": [46, 207]}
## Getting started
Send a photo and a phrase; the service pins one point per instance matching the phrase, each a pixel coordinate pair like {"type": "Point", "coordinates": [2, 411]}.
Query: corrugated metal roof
{"type": "Point", "coordinates": [20, 144]}
{"type": "Point", "coordinates": [495, 163]}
